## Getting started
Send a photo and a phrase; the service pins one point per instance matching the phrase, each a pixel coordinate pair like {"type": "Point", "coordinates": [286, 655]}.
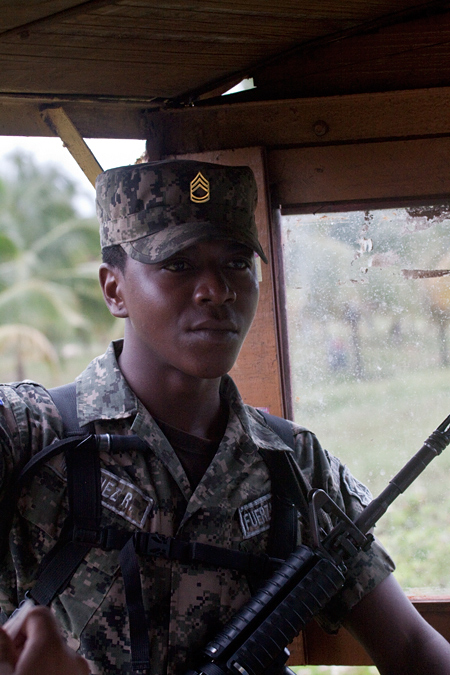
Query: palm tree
{"type": "Point", "coordinates": [26, 342]}
{"type": "Point", "coordinates": [48, 256]}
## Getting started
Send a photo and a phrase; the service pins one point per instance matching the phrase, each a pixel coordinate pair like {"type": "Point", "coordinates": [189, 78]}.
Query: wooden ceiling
{"type": "Point", "coordinates": [110, 62]}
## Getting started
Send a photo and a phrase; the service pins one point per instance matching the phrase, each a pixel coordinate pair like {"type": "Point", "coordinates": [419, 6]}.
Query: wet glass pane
{"type": "Point", "coordinates": [368, 307]}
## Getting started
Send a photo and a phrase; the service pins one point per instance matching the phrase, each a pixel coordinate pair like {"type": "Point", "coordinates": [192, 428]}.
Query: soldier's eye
{"type": "Point", "coordinates": [177, 265]}
{"type": "Point", "coordinates": [240, 263]}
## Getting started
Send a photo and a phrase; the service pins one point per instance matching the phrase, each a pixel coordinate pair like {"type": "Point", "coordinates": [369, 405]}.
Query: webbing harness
{"type": "Point", "coordinates": [82, 529]}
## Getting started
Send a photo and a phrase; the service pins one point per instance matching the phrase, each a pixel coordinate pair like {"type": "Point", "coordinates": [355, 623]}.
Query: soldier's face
{"type": "Point", "coordinates": [191, 312]}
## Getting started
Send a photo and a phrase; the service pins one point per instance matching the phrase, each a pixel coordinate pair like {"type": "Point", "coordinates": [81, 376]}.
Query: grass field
{"type": "Point", "coordinates": [375, 426]}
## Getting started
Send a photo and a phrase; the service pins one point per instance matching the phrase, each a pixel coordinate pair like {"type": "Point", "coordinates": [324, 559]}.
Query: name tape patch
{"type": "Point", "coordinates": [125, 499]}
{"type": "Point", "coordinates": [255, 516]}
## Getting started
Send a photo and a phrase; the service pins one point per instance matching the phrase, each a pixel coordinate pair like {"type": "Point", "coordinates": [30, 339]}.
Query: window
{"type": "Point", "coordinates": [368, 307]}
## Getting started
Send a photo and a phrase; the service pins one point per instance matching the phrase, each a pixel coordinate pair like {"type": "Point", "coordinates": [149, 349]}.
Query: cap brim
{"type": "Point", "coordinates": [157, 247]}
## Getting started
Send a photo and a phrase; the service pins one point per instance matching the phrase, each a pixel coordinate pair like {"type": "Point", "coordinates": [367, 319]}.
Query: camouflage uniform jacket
{"type": "Point", "coordinates": [186, 605]}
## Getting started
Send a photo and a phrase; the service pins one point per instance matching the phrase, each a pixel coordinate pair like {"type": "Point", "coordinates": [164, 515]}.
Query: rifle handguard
{"type": "Point", "coordinates": [288, 601]}
{"type": "Point", "coordinates": [288, 619]}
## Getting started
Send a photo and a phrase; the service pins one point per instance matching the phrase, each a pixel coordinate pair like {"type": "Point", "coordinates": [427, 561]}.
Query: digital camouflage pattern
{"type": "Point", "coordinates": [185, 604]}
{"type": "Point", "coordinates": [154, 210]}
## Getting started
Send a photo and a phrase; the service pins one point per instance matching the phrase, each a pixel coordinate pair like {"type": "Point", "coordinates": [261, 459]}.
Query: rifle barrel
{"type": "Point", "coordinates": [432, 447]}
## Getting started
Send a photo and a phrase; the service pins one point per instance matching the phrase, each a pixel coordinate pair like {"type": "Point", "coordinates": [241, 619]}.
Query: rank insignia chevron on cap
{"type": "Point", "coordinates": [199, 189]}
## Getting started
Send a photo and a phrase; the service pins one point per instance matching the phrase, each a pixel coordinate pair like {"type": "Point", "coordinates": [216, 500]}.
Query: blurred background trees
{"type": "Point", "coordinates": [50, 298]}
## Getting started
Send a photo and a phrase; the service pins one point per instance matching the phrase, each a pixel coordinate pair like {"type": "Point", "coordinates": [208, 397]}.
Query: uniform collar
{"type": "Point", "coordinates": [102, 391]}
{"type": "Point", "coordinates": [104, 394]}
{"type": "Point", "coordinates": [256, 432]}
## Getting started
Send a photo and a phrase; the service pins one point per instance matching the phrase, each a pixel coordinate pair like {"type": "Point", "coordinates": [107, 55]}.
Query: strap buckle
{"type": "Point", "coordinates": [84, 535]}
{"type": "Point", "coordinates": [152, 544]}
{"type": "Point", "coordinates": [113, 539]}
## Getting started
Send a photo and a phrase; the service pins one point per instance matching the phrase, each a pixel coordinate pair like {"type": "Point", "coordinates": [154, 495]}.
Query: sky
{"type": "Point", "coordinates": [109, 153]}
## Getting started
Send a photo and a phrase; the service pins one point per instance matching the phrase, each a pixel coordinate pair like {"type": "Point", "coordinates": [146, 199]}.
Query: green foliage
{"type": "Point", "coordinates": [49, 256]}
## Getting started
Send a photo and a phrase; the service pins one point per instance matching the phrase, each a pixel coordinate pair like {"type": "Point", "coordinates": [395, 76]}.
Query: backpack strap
{"type": "Point", "coordinates": [281, 427]}
{"type": "Point", "coordinates": [82, 527]}
{"type": "Point", "coordinates": [293, 484]}
{"type": "Point", "coordinates": [290, 490]}
{"type": "Point", "coordinates": [65, 399]}
{"type": "Point", "coordinates": [9, 502]}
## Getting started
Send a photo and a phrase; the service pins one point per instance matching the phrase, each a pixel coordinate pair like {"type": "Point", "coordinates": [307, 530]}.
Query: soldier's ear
{"type": "Point", "coordinates": [111, 282]}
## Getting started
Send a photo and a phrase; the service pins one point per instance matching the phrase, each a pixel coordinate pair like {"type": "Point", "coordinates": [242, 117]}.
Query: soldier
{"type": "Point", "coordinates": [178, 241]}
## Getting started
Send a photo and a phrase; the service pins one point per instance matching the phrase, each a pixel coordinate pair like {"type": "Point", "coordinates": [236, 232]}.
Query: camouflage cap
{"type": "Point", "coordinates": [156, 209]}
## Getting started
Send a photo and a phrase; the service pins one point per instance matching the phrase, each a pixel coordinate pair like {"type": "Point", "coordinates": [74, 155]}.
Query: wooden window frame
{"type": "Point", "coordinates": [358, 176]}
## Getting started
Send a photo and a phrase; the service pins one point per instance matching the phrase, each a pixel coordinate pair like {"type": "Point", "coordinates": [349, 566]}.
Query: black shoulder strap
{"type": "Point", "coordinates": [82, 527]}
{"type": "Point", "coordinates": [289, 481]}
{"type": "Point", "coordinates": [65, 399]}
{"type": "Point", "coordinates": [83, 483]}
{"type": "Point", "coordinates": [281, 427]}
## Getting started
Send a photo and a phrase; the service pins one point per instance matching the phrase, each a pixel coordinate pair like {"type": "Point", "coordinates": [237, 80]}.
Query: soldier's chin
{"type": "Point", "coordinates": [215, 368]}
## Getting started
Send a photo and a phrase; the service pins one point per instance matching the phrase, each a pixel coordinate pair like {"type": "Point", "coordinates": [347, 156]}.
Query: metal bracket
{"type": "Point", "coordinates": [345, 539]}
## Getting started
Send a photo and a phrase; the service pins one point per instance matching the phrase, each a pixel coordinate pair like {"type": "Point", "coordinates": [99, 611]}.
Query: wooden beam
{"type": "Point", "coordinates": [94, 117]}
{"type": "Point", "coordinates": [272, 124]}
{"type": "Point", "coordinates": [60, 122]}
{"type": "Point", "coordinates": [26, 16]}
{"type": "Point", "coordinates": [408, 55]}
{"type": "Point", "coordinates": [310, 122]}
{"type": "Point", "coordinates": [335, 177]}
{"type": "Point", "coordinates": [378, 46]}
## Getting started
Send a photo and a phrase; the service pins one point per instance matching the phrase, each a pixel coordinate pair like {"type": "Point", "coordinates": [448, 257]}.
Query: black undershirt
{"type": "Point", "coordinates": [195, 453]}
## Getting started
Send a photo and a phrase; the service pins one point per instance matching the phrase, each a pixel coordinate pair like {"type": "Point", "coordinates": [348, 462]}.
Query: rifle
{"type": "Point", "coordinates": [255, 641]}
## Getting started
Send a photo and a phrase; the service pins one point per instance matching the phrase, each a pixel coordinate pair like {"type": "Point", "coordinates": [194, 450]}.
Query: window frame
{"type": "Point", "coordinates": [357, 176]}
